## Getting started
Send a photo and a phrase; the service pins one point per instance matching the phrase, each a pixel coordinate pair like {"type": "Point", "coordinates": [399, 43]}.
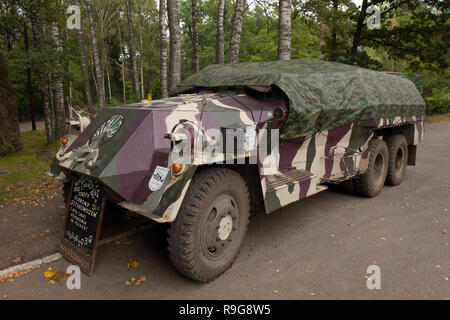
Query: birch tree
{"type": "Point", "coordinates": [220, 38]}
{"type": "Point", "coordinates": [175, 43]}
{"type": "Point", "coordinates": [36, 28]}
{"type": "Point", "coordinates": [284, 30]}
{"type": "Point", "coordinates": [235, 42]}
{"type": "Point", "coordinates": [195, 35]}
{"type": "Point", "coordinates": [132, 48]}
{"type": "Point", "coordinates": [163, 46]}
{"type": "Point", "coordinates": [84, 65]}
{"type": "Point", "coordinates": [97, 62]}
{"type": "Point", "coordinates": [60, 114]}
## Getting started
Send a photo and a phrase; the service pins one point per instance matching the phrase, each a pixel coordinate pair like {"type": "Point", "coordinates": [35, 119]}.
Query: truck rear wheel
{"type": "Point", "coordinates": [398, 159]}
{"type": "Point", "coordinates": [206, 237]}
{"type": "Point", "coordinates": [370, 183]}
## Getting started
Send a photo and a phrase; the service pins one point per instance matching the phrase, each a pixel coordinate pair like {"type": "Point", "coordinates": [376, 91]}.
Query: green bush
{"type": "Point", "coordinates": [113, 102]}
{"type": "Point", "coordinates": [439, 102]}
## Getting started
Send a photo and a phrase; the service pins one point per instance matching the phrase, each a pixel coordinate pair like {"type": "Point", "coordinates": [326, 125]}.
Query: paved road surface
{"type": "Point", "coordinates": [26, 126]}
{"type": "Point", "coordinates": [319, 248]}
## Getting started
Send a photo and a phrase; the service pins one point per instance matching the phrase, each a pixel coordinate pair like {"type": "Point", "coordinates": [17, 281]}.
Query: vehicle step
{"type": "Point", "coordinates": [280, 180]}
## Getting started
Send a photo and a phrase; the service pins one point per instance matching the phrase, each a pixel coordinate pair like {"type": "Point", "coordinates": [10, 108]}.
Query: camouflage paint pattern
{"type": "Point", "coordinates": [330, 115]}
{"type": "Point", "coordinates": [125, 162]}
{"type": "Point", "coordinates": [330, 156]}
{"type": "Point", "coordinates": [323, 95]}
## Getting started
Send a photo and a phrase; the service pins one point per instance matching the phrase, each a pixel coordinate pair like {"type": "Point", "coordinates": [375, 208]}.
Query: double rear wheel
{"type": "Point", "coordinates": [387, 165]}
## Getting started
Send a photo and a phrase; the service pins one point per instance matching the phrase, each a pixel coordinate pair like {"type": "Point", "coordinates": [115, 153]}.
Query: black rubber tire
{"type": "Point", "coordinates": [370, 183]}
{"type": "Point", "coordinates": [398, 159]}
{"type": "Point", "coordinates": [186, 232]}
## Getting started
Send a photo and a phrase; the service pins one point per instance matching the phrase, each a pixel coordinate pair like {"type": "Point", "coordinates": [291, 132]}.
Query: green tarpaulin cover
{"type": "Point", "coordinates": [323, 95]}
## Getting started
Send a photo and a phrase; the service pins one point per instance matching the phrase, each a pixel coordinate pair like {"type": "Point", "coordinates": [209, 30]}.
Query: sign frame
{"type": "Point", "coordinates": [75, 255]}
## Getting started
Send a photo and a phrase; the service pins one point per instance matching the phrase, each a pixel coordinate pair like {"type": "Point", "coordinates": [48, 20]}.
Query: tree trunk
{"type": "Point", "coordinates": [333, 32]}
{"type": "Point", "coordinates": [29, 82]}
{"type": "Point", "coordinates": [359, 27]}
{"type": "Point", "coordinates": [220, 38]}
{"type": "Point", "coordinates": [235, 42]}
{"type": "Point", "coordinates": [37, 40]}
{"type": "Point", "coordinates": [50, 116]}
{"type": "Point", "coordinates": [87, 87]}
{"type": "Point", "coordinates": [323, 30]}
{"type": "Point", "coordinates": [142, 69]}
{"type": "Point", "coordinates": [98, 66]}
{"type": "Point", "coordinates": [175, 44]}
{"type": "Point", "coordinates": [40, 39]}
{"type": "Point", "coordinates": [132, 48]}
{"type": "Point", "coordinates": [60, 115]}
{"type": "Point", "coordinates": [122, 64]}
{"type": "Point", "coordinates": [70, 84]}
{"type": "Point", "coordinates": [51, 113]}
{"type": "Point", "coordinates": [195, 35]}
{"type": "Point", "coordinates": [163, 47]}
{"type": "Point", "coordinates": [9, 118]}
{"type": "Point", "coordinates": [284, 30]}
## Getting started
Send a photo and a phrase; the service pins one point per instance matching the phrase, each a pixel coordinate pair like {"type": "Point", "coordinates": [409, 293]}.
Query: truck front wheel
{"type": "Point", "coordinates": [370, 183]}
{"type": "Point", "coordinates": [206, 237]}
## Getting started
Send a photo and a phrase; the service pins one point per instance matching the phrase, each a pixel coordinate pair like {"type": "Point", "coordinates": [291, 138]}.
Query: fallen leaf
{"type": "Point", "coordinates": [141, 279]}
{"type": "Point", "coordinates": [49, 274]}
{"type": "Point", "coordinates": [351, 225]}
{"type": "Point", "coordinates": [133, 264]}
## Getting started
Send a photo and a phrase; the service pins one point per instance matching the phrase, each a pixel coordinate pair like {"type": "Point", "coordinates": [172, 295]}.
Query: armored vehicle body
{"type": "Point", "coordinates": [236, 138]}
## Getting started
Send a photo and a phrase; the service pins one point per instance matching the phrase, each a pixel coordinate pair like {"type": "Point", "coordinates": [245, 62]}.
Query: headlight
{"type": "Point", "coordinates": [177, 168]}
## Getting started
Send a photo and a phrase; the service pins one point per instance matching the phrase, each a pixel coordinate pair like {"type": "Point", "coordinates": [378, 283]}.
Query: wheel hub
{"type": "Point", "coordinates": [219, 226]}
{"type": "Point", "coordinates": [225, 227]}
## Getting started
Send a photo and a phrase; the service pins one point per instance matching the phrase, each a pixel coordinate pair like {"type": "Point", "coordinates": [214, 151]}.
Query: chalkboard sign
{"type": "Point", "coordinates": [83, 223]}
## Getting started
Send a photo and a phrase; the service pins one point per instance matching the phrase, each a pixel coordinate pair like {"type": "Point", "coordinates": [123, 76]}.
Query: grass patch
{"type": "Point", "coordinates": [25, 180]}
{"type": "Point", "coordinates": [438, 118]}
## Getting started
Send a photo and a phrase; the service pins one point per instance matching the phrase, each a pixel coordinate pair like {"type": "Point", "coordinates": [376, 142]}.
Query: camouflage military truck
{"type": "Point", "coordinates": [242, 137]}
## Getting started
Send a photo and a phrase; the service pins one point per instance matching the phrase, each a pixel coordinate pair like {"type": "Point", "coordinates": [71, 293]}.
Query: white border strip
{"type": "Point", "coordinates": [57, 256]}
{"type": "Point", "coordinates": [29, 265]}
